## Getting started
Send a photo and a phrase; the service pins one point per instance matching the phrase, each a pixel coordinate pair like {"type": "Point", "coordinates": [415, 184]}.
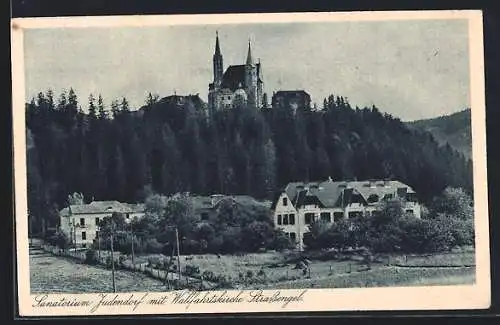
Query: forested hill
{"type": "Point", "coordinates": [115, 154]}
{"type": "Point", "coordinates": [454, 129]}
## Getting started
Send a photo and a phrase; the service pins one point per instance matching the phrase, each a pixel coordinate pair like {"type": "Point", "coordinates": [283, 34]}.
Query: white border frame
{"type": "Point", "coordinates": [475, 296]}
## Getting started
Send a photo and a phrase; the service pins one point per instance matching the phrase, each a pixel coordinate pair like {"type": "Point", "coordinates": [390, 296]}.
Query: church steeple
{"type": "Point", "coordinates": [217, 46]}
{"type": "Point", "coordinates": [249, 55]}
{"type": "Point", "coordinates": [217, 61]}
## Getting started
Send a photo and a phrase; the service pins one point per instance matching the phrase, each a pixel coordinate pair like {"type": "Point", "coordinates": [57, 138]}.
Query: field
{"type": "Point", "coordinates": [387, 276]}
{"type": "Point", "coordinates": [51, 274]}
{"type": "Point", "coordinates": [279, 270]}
{"type": "Point", "coordinates": [270, 270]}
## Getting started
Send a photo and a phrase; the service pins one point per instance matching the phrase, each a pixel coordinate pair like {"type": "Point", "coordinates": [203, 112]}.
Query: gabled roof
{"type": "Point", "coordinates": [233, 77]}
{"type": "Point", "coordinates": [102, 207]}
{"type": "Point", "coordinates": [328, 194]}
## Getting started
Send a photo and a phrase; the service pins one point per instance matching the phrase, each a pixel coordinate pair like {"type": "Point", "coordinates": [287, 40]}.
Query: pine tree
{"type": "Point", "coordinates": [92, 108]}
{"type": "Point", "coordinates": [102, 110]}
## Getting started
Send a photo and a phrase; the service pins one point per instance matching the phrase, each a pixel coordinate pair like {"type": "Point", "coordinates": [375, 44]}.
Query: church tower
{"type": "Point", "coordinates": [214, 87]}
{"type": "Point", "coordinates": [217, 61]}
{"type": "Point", "coordinates": [251, 78]}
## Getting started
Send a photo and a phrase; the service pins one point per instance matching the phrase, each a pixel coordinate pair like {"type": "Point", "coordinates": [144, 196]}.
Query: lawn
{"type": "Point", "coordinates": [268, 270]}
{"type": "Point", "coordinates": [387, 276]}
{"type": "Point", "coordinates": [51, 274]}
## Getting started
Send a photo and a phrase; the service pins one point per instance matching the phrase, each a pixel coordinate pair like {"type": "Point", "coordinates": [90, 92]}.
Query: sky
{"type": "Point", "coordinates": [411, 69]}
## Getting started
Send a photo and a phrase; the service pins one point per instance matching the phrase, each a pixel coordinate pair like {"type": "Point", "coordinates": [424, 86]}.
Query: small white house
{"type": "Point", "coordinates": [300, 204]}
{"type": "Point", "coordinates": [81, 221]}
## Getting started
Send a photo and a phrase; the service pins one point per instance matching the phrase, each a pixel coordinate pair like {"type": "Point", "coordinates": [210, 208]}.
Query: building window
{"type": "Point", "coordinates": [338, 216]}
{"type": "Point", "coordinates": [388, 197]}
{"type": "Point", "coordinates": [204, 216]}
{"type": "Point", "coordinates": [279, 219]}
{"type": "Point", "coordinates": [285, 201]}
{"type": "Point", "coordinates": [97, 235]}
{"type": "Point", "coordinates": [82, 221]}
{"type": "Point", "coordinates": [293, 236]}
{"type": "Point", "coordinates": [410, 211]}
{"type": "Point", "coordinates": [355, 214]}
{"type": "Point", "coordinates": [84, 235]}
{"type": "Point", "coordinates": [97, 221]}
{"type": "Point", "coordinates": [84, 245]}
{"type": "Point", "coordinates": [285, 219]}
{"type": "Point", "coordinates": [309, 218]}
{"type": "Point", "coordinates": [326, 217]}
{"type": "Point", "coordinates": [291, 219]}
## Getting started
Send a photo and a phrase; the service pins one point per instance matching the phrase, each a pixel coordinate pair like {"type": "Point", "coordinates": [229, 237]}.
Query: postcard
{"type": "Point", "coordinates": [250, 163]}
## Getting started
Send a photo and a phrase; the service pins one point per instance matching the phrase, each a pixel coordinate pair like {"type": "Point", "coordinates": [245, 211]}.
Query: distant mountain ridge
{"type": "Point", "coordinates": [454, 129]}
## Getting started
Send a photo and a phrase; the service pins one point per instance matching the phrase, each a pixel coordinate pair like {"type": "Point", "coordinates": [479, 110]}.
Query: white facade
{"type": "Point", "coordinates": [82, 228]}
{"type": "Point", "coordinates": [81, 222]}
{"type": "Point", "coordinates": [294, 218]}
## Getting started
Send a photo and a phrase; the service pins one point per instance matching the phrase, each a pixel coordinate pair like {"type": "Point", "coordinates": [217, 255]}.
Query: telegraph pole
{"type": "Point", "coordinates": [99, 244]}
{"type": "Point", "coordinates": [132, 235]}
{"type": "Point", "coordinates": [178, 252]}
{"type": "Point", "coordinates": [74, 237]}
{"type": "Point", "coordinates": [112, 258]}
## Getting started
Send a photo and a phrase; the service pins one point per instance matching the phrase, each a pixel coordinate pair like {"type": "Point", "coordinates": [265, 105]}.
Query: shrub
{"type": "Point", "coordinates": [153, 246]}
{"type": "Point", "coordinates": [155, 262]}
{"type": "Point", "coordinates": [281, 241]}
{"type": "Point", "coordinates": [209, 276]}
{"type": "Point", "coordinates": [59, 239]}
{"type": "Point", "coordinates": [192, 270]}
{"type": "Point", "coordinates": [257, 235]}
{"type": "Point", "coordinates": [215, 244]}
{"type": "Point", "coordinates": [231, 240]}
{"type": "Point", "coordinates": [121, 260]}
{"type": "Point", "coordinates": [91, 257]}
{"type": "Point", "coordinates": [108, 261]}
{"type": "Point", "coordinates": [249, 274]}
{"type": "Point", "coordinates": [190, 246]}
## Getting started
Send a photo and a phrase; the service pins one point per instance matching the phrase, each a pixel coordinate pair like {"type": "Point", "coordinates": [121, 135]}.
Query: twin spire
{"type": "Point", "coordinates": [218, 52]}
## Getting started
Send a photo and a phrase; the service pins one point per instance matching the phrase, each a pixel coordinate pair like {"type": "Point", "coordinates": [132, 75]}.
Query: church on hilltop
{"type": "Point", "coordinates": [238, 85]}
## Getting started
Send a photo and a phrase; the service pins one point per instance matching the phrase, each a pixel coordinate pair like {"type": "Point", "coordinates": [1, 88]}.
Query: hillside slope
{"type": "Point", "coordinates": [454, 129]}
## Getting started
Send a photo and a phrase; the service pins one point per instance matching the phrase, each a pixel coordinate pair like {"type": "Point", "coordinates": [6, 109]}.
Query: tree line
{"type": "Point", "coordinates": [123, 153]}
